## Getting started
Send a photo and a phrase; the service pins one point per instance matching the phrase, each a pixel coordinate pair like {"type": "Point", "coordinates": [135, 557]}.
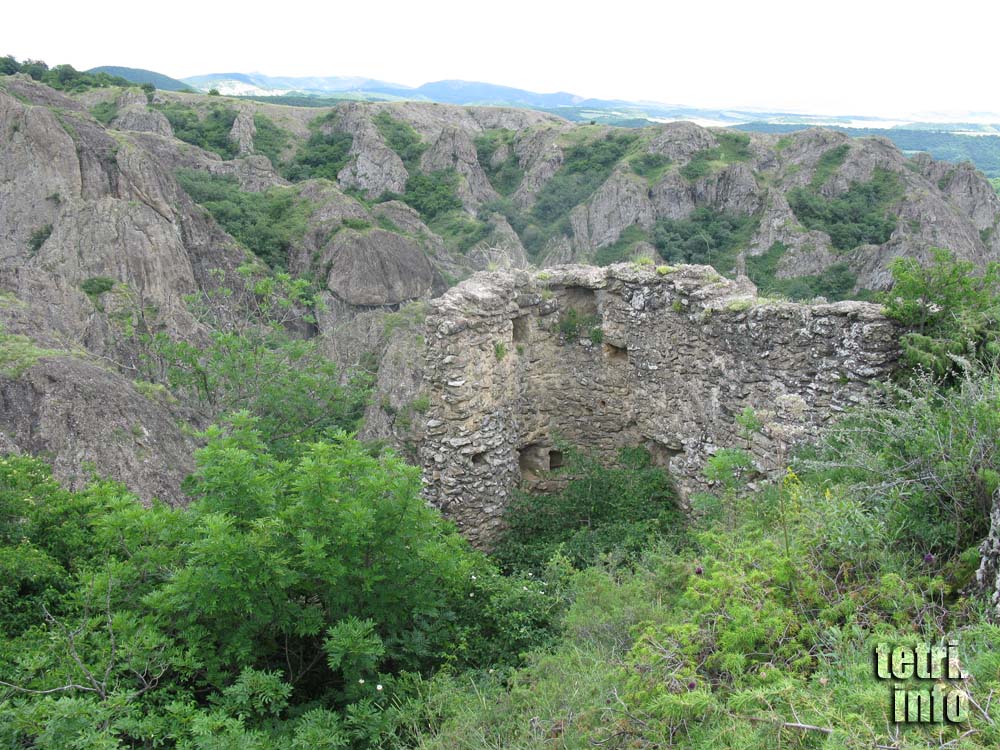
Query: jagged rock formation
{"type": "Point", "coordinates": [626, 356]}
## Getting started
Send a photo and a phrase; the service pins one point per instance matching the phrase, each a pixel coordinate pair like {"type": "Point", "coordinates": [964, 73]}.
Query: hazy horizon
{"type": "Point", "coordinates": [852, 59]}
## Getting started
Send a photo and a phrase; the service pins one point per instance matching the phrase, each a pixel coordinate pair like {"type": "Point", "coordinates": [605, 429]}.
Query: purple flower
{"type": "Point", "coordinates": [929, 558]}
{"type": "Point", "coordinates": [698, 571]}
{"type": "Point", "coordinates": [692, 685]}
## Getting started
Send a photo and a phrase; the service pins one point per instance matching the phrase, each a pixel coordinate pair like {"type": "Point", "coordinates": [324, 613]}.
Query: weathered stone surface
{"type": "Point", "coordinates": [76, 413]}
{"type": "Point", "coordinates": [454, 149]}
{"type": "Point", "coordinates": [243, 132]}
{"type": "Point", "coordinates": [140, 118]}
{"type": "Point", "coordinates": [680, 356]}
{"type": "Point", "coordinates": [376, 267]}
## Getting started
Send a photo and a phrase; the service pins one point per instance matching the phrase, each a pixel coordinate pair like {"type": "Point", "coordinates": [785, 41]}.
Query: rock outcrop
{"type": "Point", "coordinates": [606, 358]}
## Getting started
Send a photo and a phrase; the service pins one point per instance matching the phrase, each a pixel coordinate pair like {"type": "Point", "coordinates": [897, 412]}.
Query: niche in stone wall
{"type": "Point", "coordinates": [616, 353]}
{"type": "Point", "coordinates": [661, 452]}
{"type": "Point", "coordinates": [535, 459]}
{"type": "Point", "coordinates": [521, 329]}
{"type": "Point", "coordinates": [583, 300]}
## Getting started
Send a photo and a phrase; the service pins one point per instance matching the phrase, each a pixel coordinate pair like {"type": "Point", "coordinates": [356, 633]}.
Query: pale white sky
{"type": "Point", "coordinates": [874, 58]}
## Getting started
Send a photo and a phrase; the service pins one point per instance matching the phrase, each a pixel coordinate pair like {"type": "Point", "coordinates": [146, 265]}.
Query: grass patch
{"type": "Point", "coordinates": [733, 147]}
{"type": "Point", "coordinates": [18, 353]}
{"type": "Point", "coordinates": [650, 166]}
{"type": "Point", "coordinates": [621, 248]}
{"type": "Point", "coordinates": [270, 140]}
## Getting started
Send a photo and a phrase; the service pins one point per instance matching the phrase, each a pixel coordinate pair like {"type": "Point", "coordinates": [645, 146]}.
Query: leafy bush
{"type": "Point", "coordinates": [603, 510]}
{"type": "Point", "coordinates": [573, 324]}
{"type": "Point", "coordinates": [834, 283]}
{"type": "Point", "coordinates": [266, 223]}
{"type": "Point", "coordinates": [585, 167]}
{"type": "Point", "coordinates": [707, 236]}
{"type": "Point", "coordinates": [621, 248]}
{"type": "Point", "coordinates": [927, 462]}
{"type": "Point", "coordinates": [210, 131]}
{"type": "Point", "coordinates": [506, 176]}
{"type": "Point", "coordinates": [434, 194]}
{"type": "Point", "coordinates": [95, 286]}
{"type": "Point", "coordinates": [859, 216]}
{"type": "Point", "coordinates": [650, 166]}
{"type": "Point", "coordinates": [38, 238]}
{"type": "Point", "coordinates": [18, 353]}
{"type": "Point", "coordinates": [323, 155]}
{"type": "Point", "coordinates": [270, 140]}
{"type": "Point", "coordinates": [291, 605]}
{"type": "Point", "coordinates": [733, 147]}
{"type": "Point", "coordinates": [828, 164]}
{"type": "Point", "coordinates": [251, 362]}
{"type": "Point", "coordinates": [401, 138]}
{"type": "Point", "coordinates": [951, 308]}
{"type": "Point", "coordinates": [105, 112]}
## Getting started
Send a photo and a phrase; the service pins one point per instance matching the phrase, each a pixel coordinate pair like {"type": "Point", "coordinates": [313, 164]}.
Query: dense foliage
{"type": "Point", "coordinates": [733, 147]}
{"type": "Point", "coordinates": [61, 77]}
{"type": "Point", "coordinates": [208, 130]}
{"type": "Point", "coordinates": [706, 236]}
{"type": "Point", "coordinates": [859, 216]}
{"type": "Point", "coordinates": [505, 174]}
{"type": "Point", "coordinates": [618, 510]}
{"type": "Point", "coordinates": [401, 138]}
{"type": "Point", "coordinates": [290, 606]}
{"type": "Point", "coordinates": [585, 167]}
{"type": "Point", "coordinates": [267, 223]}
{"type": "Point", "coordinates": [951, 309]}
{"type": "Point", "coordinates": [324, 154]}
{"type": "Point", "coordinates": [834, 283]}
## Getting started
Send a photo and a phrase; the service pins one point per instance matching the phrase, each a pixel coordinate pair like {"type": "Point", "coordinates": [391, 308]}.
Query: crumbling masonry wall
{"type": "Point", "coordinates": [664, 358]}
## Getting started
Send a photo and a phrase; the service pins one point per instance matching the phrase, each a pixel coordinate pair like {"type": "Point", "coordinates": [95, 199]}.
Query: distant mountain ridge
{"type": "Point", "coordinates": [140, 75]}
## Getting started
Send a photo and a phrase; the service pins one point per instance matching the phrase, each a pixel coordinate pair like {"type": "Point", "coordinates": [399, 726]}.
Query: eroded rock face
{"type": "Point", "coordinates": [665, 361]}
{"type": "Point", "coordinates": [376, 267]}
{"type": "Point", "coordinates": [76, 413]}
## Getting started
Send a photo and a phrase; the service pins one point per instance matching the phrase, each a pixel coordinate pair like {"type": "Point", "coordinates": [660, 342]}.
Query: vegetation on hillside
{"type": "Point", "coordinates": [309, 598]}
{"type": "Point", "coordinates": [60, 77]}
{"type": "Point", "coordinates": [505, 176]}
{"type": "Point", "coordinates": [266, 223]}
{"type": "Point", "coordinates": [208, 130]}
{"type": "Point", "coordinates": [324, 154]}
{"type": "Point", "coordinates": [859, 216]}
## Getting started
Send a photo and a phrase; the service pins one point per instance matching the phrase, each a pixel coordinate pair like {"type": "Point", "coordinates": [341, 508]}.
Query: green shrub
{"type": "Point", "coordinates": [267, 223]}
{"type": "Point", "coordinates": [951, 308]}
{"type": "Point", "coordinates": [585, 167]}
{"type": "Point", "coordinates": [95, 286]}
{"type": "Point", "coordinates": [859, 216]}
{"type": "Point", "coordinates": [573, 324]}
{"type": "Point", "coordinates": [706, 236]}
{"type": "Point", "coordinates": [359, 225]}
{"type": "Point", "coordinates": [650, 166]}
{"type": "Point", "coordinates": [621, 248]}
{"type": "Point", "coordinates": [433, 194]}
{"type": "Point", "coordinates": [506, 176]}
{"type": "Point", "coordinates": [733, 147]}
{"type": "Point", "coordinates": [269, 140]}
{"type": "Point", "coordinates": [323, 155]}
{"type": "Point", "coordinates": [401, 138]}
{"type": "Point", "coordinates": [603, 510]}
{"type": "Point", "coordinates": [210, 131]}
{"type": "Point", "coordinates": [38, 238]}
{"type": "Point", "coordinates": [828, 164]}
{"type": "Point", "coordinates": [105, 112]}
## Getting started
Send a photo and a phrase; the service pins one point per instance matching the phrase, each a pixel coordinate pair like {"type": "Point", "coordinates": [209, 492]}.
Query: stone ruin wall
{"type": "Point", "coordinates": [684, 351]}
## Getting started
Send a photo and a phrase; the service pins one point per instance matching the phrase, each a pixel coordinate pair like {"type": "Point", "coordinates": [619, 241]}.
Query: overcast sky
{"type": "Point", "coordinates": [849, 57]}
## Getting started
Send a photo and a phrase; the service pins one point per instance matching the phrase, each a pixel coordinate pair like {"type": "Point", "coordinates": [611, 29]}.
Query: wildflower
{"type": "Point", "coordinates": [361, 681]}
{"type": "Point", "coordinates": [699, 570]}
{"type": "Point", "coordinates": [379, 688]}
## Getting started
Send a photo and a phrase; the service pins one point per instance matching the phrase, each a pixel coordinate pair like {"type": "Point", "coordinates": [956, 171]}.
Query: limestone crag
{"type": "Point", "coordinates": [606, 358]}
